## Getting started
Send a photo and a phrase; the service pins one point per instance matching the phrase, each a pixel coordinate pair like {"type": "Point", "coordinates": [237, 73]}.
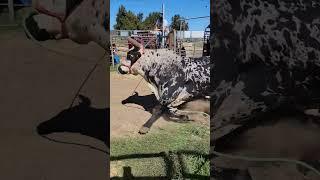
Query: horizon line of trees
{"type": "Point", "coordinates": [127, 20]}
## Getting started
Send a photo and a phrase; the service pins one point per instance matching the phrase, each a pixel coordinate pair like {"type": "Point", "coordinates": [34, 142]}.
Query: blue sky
{"type": "Point", "coordinates": [186, 8]}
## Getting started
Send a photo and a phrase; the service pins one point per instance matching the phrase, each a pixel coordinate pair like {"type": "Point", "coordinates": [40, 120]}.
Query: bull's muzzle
{"type": "Point", "coordinates": [132, 57]}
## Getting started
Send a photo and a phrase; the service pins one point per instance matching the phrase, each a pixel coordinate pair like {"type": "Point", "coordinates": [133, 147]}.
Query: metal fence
{"type": "Point", "coordinates": [11, 5]}
{"type": "Point", "coordinates": [193, 46]}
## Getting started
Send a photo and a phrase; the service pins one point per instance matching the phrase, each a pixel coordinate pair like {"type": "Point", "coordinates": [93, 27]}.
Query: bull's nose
{"type": "Point", "coordinates": [123, 69]}
{"type": "Point", "coordinates": [32, 28]}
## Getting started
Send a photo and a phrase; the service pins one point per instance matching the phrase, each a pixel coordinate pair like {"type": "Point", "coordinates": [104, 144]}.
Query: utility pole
{"type": "Point", "coordinates": [162, 43]}
{"type": "Point", "coordinates": [11, 10]}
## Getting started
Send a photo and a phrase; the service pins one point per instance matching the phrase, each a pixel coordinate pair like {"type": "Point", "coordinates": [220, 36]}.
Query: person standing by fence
{"type": "Point", "coordinates": [116, 57]}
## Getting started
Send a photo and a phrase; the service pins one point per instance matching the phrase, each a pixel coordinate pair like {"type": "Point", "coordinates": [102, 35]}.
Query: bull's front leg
{"type": "Point", "coordinates": [156, 114]}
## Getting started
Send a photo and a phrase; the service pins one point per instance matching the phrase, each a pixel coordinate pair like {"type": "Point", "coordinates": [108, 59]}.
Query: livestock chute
{"type": "Point", "coordinates": [206, 42]}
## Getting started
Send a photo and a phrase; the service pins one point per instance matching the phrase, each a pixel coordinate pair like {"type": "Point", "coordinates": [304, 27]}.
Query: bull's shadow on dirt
{"type": "Point", "coordinates": [152, 105]}
{"type": "Point", "coordinates": [148, 102]}
{"type": "Point", "coordinates": [82, 119]}
{"type": "Point", "coordinates": [172, 169]}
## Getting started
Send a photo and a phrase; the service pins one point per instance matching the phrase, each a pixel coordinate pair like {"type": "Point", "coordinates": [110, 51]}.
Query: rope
{"type": "Point", "coordinates": [64, 54]}
{"type": "Point", "coordinates": [77, 144]}
{"type": "Point", "coordinates": [9, 25]}
{"type": "Point", "coordinates": [86, 78]}
{"type": "Point", "coordinates": [257, 159]}
{"type": "Point", "coordinates": [134, 90]}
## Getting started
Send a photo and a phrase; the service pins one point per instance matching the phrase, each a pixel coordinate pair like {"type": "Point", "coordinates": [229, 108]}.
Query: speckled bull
{"type": "Point", "coordinates": [266, 55]}
{"type": "Point", "coordinates": [173, 79]}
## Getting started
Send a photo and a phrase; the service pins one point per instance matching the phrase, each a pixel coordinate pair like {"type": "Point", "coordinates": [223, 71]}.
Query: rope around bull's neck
{"type": "Point", "coordinates": [134, 90]}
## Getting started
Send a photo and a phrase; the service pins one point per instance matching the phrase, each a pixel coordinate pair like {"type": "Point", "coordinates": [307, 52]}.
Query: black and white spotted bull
{"type": "Point", "coordinates": [267, 56]}
{"type": "Point", "coordinates": [174, 80]}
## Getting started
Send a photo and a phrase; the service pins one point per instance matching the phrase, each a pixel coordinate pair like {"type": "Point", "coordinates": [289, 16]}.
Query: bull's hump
{"type": "Point", "coordinates": [175, 76]}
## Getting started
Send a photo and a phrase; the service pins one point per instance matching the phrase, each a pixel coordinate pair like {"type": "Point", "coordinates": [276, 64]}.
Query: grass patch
{"type": "Point", "coordinates": [113, 69]}
{"type": "Point", "coordinates": [179, 151]}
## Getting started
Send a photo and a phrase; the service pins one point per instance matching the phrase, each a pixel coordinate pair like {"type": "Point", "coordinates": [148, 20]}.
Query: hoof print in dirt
{"type": "Point", "coordinates": [144, 130]}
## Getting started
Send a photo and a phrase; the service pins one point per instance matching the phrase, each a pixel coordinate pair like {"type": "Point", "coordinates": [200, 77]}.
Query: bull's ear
{"type": "Point", "coordinates": [136, 93]}
{"type": "Point", "coordinates": [84, 100]}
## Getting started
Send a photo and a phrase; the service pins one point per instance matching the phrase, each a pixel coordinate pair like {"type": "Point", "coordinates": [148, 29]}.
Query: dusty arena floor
{"type": "Point", "coordinates": [126, 120]}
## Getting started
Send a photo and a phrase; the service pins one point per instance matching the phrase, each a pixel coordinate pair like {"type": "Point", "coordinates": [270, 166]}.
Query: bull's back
{"type": "Point", "coordinates": [180, 77]}
{"type": "Point", "coordinates": [269, 45]}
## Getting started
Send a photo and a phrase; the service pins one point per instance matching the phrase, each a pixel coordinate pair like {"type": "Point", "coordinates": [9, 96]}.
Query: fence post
{"type": "Point", "coordinates": [11, 10]}
{"type": "Point", "coordinates": [174, 41]}
{"type": "Point", "coordinates": [194, 49]}
{"type": "Point", "coordinates": [111, 49]}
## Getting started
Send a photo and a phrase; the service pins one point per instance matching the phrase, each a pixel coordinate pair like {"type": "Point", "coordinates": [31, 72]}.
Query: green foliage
{"type": "Point", "coordinates": [121, 18]}
{"type": "Point", "coordinates": [151, 20]}
{"type": "Point", "coordinates": [140, 21]}
{"type": "Point", "coordinates": [176, 21]}
{"type": "Point", "coordinates": [127, 20]}
{"type": "Point", "coordinates": [185, 146]}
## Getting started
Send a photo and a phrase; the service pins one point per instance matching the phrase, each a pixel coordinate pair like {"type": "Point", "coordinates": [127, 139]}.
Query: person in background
{"type": "Point", "coordinates": [116, 57]}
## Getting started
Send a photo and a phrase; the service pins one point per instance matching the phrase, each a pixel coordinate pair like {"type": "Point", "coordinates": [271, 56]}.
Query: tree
{"type": "Point", "coordinates": [176, 21]}
{"type": "Point", "coordinates": [151, 20]}
{"type": "Point", "coordinates": [132, 22]}
{"type": "Point", "coordinates": [120, 19]}
{"type": "Point", "coordinates": [126, 20]}
{"type": "Point", "coordinates": [140, 17]}
{"type": "Point", "coordinates": [140, 21]}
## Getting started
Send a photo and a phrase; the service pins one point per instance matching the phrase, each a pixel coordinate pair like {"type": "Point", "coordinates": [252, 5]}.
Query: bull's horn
{"type": "Point", "coordinates": [135, 43]}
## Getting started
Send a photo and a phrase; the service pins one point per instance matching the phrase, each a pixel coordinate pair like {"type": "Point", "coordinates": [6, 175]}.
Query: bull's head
{"type": "Point", "coordinates": [79, 25]}
{"type": "Point", "coordinates": [133, 56]}
{"type": "Point", "coordinates": [43, 27]}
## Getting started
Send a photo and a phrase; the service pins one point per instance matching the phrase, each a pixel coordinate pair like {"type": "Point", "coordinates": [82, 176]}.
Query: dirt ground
{"type": "Point", "coordinates": [126, 120]}
{"type": "Point", "coordinates": [36, 85]}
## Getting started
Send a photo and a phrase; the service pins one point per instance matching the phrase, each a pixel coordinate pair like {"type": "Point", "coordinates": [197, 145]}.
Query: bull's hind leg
{"type": "Point", "coordinates": [156, 114]}
{"type": "Point", "coordinates": [195, 110]}
{"type": "Point", "coordinates": [187, 115]}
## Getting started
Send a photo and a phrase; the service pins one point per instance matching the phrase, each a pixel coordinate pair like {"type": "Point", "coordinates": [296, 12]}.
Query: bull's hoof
{"type": "Point", "coordinates": [144, 130]}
